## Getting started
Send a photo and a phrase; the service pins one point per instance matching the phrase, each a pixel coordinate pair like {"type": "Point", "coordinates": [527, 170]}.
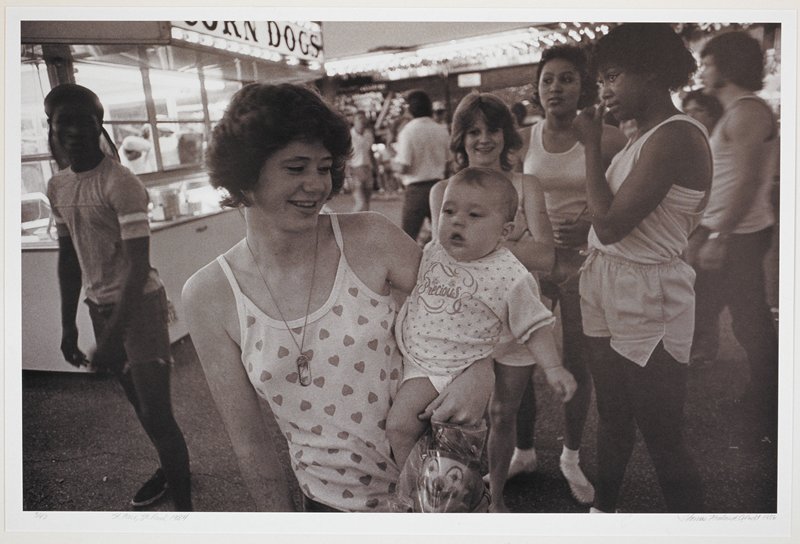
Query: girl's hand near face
{"type": "Point", "coordinates": [588, 125]}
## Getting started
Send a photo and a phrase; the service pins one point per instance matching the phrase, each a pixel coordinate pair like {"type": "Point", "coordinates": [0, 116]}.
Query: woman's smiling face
{"type": "Point", "coordinates": [483, 145]}
{"type": "Point", "coordinates": [294, 183]}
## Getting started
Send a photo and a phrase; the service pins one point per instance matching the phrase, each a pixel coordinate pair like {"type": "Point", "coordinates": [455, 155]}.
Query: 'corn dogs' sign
{"type": "Point", "coordinates": [299, 39]}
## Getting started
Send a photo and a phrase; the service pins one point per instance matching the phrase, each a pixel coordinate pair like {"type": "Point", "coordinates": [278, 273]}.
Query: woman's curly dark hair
{"type": "Point", "coordinates": [497, 116]}
{"type": "Point", "coordinates": [262, 119]}
{"type": "Point", "coordinates": [578, 58]}
{"type": "Point", "coordinates": [646, 48]}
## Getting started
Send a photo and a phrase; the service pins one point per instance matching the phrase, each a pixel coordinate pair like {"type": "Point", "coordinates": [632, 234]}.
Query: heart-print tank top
{"type": "Point", "coordinates": [335, 427]}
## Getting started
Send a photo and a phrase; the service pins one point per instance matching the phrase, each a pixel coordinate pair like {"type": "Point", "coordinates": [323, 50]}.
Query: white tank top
{"type": "Point", "coordinates": [759, 214]}
{"type": "Point", "coordinates": [664, 233]}
{"type": "Point", "coordinates": [562, 176]}
{"type": "Point", "coordinates": [335, 427]}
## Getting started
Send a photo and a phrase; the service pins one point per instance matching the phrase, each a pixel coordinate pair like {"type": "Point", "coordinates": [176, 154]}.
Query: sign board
{"type": "Point", "coordinates": [300, 40]}
{"type": "Point", "coordinates": [472, 79]}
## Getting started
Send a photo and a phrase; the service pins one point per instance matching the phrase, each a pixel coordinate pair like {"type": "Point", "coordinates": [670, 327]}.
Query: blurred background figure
{"type": "Point", "coordinates": [520, 113]}
{"type": "Point", "coordinates": [440, 113]}
{"type": "Point", "coordinates": [729, 248]}
{"type": "Point", "coordinates": [138, 155]}
{"type": "Point", "coordinates": [388, 183]}
{"type": "Point", "coordinates": [703, 107]}
{"type": "Point", "coordinates": [362, 163]}
{"type": "Point", "coordinates": [423, 149]}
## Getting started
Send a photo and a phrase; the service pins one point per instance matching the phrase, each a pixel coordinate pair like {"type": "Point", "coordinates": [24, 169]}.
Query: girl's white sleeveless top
{"type": "Point", "coordinates": [562, 176]}
{"type": "Point", "coordinates": [664, 233]}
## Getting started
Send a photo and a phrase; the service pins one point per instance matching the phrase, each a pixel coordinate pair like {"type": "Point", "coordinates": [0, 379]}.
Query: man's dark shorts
{"type": "Point", "coordinates": [146, 335]}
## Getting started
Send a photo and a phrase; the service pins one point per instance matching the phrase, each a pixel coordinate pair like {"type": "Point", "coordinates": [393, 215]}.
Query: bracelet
{"type": "Point", "coordinates": [718, 236]}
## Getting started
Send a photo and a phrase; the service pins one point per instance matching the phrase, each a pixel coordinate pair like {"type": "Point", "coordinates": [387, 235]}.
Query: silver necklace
{"type": "Point", "coordinates": [303, 360]}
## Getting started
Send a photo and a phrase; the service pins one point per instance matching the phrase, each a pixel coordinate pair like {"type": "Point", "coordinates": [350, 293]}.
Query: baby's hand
{"type": "Point", "coordinates": [561, 381]}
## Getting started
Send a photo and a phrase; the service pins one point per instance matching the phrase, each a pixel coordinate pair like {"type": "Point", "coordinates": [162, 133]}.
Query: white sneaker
{"type": "Point", "coordinates": [582, 489]}
{"type": "Point", "coordinates": [522, 461]}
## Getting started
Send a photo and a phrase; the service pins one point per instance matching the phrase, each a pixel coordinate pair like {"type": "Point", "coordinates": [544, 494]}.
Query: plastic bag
{"type": "Point", "coordinates": [442, 473]}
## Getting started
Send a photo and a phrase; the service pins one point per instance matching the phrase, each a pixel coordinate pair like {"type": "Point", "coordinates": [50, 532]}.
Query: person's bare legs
{"type": "Point", "coordinates": [403, 427]}
{"type": "Point", "coordinates": [509, 386]}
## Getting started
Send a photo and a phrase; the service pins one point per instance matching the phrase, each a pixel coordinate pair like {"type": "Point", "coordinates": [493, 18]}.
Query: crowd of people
{"type": "Point", "coordinates": [357, 337]}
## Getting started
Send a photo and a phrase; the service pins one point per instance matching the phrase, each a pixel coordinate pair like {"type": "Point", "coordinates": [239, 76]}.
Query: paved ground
{"type": "Point", "coordinates": [83, 449]}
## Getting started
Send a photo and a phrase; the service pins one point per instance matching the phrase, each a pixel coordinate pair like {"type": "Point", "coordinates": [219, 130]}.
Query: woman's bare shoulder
{"type": "Point", "coordinates": [209, 284]}
{"type": "Point", "coordinates": [613, 138]}
{"type": "Point", "coordinates": [368, 231]}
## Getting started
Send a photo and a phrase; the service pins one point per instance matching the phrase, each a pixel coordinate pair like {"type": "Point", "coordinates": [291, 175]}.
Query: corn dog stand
{"type": "Point", "coordinates": [163, 85]}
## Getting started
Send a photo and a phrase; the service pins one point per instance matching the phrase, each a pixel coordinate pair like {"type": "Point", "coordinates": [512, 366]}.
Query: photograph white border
{"type": "Point", "coordinates": [507, 526]}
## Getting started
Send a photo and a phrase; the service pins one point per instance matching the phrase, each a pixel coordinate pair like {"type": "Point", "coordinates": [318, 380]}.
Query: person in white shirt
{"type": "Point", "coordinates": [421, 160]}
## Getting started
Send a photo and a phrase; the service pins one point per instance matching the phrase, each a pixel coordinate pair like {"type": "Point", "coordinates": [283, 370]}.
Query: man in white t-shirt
{"type": "Point", "coordinates": [421, 160]}
{"type": "Point", "coordinates": [362, 162]}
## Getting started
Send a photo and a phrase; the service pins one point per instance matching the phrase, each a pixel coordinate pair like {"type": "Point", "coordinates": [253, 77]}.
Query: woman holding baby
{"type": "Point", "coordinates": [300, 313]}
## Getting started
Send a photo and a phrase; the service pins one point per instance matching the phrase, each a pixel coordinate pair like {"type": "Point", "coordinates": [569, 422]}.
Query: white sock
{"type": "Point", "coordinates": [570, 456]}
{"type": "Point", "coordinates": [594, 510]}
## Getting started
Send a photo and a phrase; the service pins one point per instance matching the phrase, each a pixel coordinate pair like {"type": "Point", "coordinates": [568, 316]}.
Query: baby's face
{"type": "Point", "coordinates": [472, 222]}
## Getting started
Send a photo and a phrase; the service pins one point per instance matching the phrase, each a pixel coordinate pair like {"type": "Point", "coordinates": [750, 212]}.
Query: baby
{"type": "Point", "coordinates": [471, 294]}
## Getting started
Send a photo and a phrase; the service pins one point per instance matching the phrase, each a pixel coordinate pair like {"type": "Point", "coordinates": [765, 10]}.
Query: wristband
{"type": "Point", "coordinates": [717, 236]}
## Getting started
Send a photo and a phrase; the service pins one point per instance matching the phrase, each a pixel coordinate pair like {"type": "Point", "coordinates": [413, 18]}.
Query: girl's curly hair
{"type": "Point", "coordinates": [263, 118]}
{"type": "Point", "coordinates": [646, 48]}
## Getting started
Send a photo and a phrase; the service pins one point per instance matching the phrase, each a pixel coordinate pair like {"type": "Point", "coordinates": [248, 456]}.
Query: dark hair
{"type": "Point", "coordinates": [739, 58]}
{"type": "Point", "coordinates": [71, 94]}
{"type": "Point", "coordinates": [419, 103]}
{"type": "Point", "coordinates": [710, 103]}
{"type": "Point", "coordinates": [646, 48]}
{"type": "Point", "coordinates": [520, 112]}
{"type": "Point", "coordinates": [262, 119]}
{"type": "Point", "coordinates": [578, 58]}
{"type": "Point", "coordinates": [491, 180]}
{"type": "Point", "coordinates": [497, 116]}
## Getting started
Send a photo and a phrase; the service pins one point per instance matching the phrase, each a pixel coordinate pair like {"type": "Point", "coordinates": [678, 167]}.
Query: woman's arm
{"type": "Point", "coordinates": [236, 401]}
{"type": "Point", "coordinates": [676, 153]}
{"type": "Point", "coordinates": [381, 254]}
{"type": "Point", "coordinates": [573, 233]}
{"type": "Point", "coordinates": [435, 199]}
{"type": "Point", "coordinates": [464, 400]}
{"type": "Point", "coordinates": [537, 251]}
